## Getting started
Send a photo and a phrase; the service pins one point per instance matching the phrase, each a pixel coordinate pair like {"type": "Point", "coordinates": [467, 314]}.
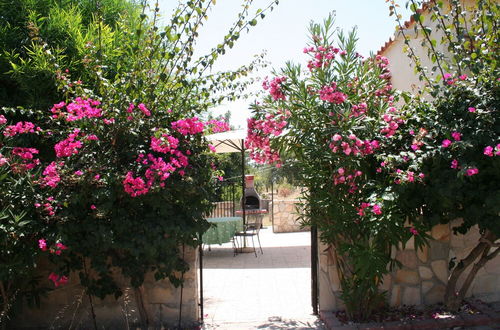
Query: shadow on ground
{"type": "Point", "coordinates": [273, 323]}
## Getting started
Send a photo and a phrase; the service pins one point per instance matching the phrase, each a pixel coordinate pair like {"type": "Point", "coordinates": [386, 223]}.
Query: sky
{"type": "Point", "coordinates": [283, 34]}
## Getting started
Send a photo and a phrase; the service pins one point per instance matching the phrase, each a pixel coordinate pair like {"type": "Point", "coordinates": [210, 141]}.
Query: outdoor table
{"type": "Point", "coordinates": [223, 231]}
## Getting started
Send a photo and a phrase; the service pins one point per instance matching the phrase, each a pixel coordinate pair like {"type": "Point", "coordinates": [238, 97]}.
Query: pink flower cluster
{"type": "Point", "coordinates": [275, 87]}
{"type": "Point", "coordinates": [358, 110]}
{"type": "Point", "coordinates": [20, 128]}
{"type": "Point", "coordinates": [3, 160]}
{"type": "Point", "coordinates": [165, 144]}
{"type": "Point", "coordinates": [188, 126]}
{"type": "Point", "coordinates": [488, 151]}
{"type": "Point", "coordinates": [393, 123]}
{"type": "Point", "coordinates": [343, 177]}
{"type": "Point", "coordinates": [78, 109]}
{"type": "Point", "coordinates": [28, 161]}
{"type": "Point", "coordinates": [218, 126]}
{"type": "Point", "coordinates": [158, 169]}
{"type": "Point", "coordinates": [353, 145]}
{"type": "Point", "coordinates": [58, 280]}
{"type": "Point", "coordinates": [407, 176]}
{"type": "Point", "coordinates": [142, 108]}
{"type": "Point", "coordinates": [386, 90]}
{"type": "Point", "coordinates": [259, 136]}
{"type": "Point", "coordinates": [48, 206]}
{"type": "Point", "coordinates": [51, 177]}
{"type": "Point", "coordinates": [448, 78]}
{"type": "Point", "coordinates": [3, 120]}
{"type": "Point", "coordinates": [68, 146]}
{"type": "Point", "coordinates": [322, 56]}
{"type": "Point", "coordinates": [383, 63]}
{"type": "Point", "coordinates": [57, 249]}
{"type": "Point", "coordinates": [328, 93]}
{"type": "Point", "coordinates": [375, 208]}
{"type": "Point", "coordinates": [134, 186]}
{"type": "Point", "coordinates": [471, 171]}
{"type": "Point", "coordinates": [413, 231]}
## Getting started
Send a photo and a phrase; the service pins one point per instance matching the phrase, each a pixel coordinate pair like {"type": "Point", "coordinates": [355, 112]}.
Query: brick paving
{"type": "Point", "coordinates": [271, 291]}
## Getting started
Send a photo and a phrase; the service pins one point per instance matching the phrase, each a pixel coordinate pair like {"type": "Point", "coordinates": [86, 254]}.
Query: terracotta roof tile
{"type": "Point", "coordinates": [407, 24]}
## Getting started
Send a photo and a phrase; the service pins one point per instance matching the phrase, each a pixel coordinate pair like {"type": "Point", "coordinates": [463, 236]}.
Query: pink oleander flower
{"type": "Point", "coordinates": [454, 163]}
{"type": "Point", "coordinates": [413, 231]}
{"type": "Point", "coordinates": [59, 248]}
{"type": "Point", "coordinates": [471, 171]}
{"type": "Point", "coordinates": [3, 120]}
{"type": "Point", "coordinates": [58, 280]}
{"type": "Point", "coordinates": [220, 178]}
{"type": "Point", "coordinates": [456, 136]}
{"type": "Point", "coordinates": [463, 77]}
{"type": "Point", "coordinates": [144, 110]}
{"type": "Point", "coordinates": [78, 173]}
{"type": "Point", "coordinates": [130, 108]}
{"type": "Point", "coordinates": [472, 109]}
{"type": "Point", "coordinates": [211, 147]}
{"type": "Point", "coordinates": [51, 176]}
{"type": "Point", "coordinates": [275, 87]}
{"type": "Point", "coordinates": [109, 121]}
{"type": "Point", "coordinates": [328, 93]}
{"type": "Point", "coordinates": [446, 143]}
{"type": "Point", "coordinates": [93, 207]}
{"type": "Point", "coordinates": [97, 177]}
{"type": "Point", "coordinates": [415, 147]}
{"type": "Point", "coordinates": [337, 137]}
{"type": "Point", "coordinates": [3, 160]}
{"type": "Point", "coordinates": [488, 151]}
{"type": "Point", "coordinates": [42, 244]}
{"type": "Point", "coordinates": [377, 209]}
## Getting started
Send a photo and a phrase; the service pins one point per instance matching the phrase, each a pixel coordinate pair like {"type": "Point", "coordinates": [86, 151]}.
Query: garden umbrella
{"type": "Point", "coordinates": [231, 141]}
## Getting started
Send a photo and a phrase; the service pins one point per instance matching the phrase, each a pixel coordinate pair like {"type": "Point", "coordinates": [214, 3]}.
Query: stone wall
{"type": "Point", "coordinates": [286, 216]}
{"type": "Point", "coordinates": [424, 273]}
{"type": "Point", "coordinates": [156, 301]}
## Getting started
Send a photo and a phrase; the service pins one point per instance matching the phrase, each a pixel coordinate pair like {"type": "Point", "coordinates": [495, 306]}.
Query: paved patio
{"type": "Point", "coordinates": [272, 291]}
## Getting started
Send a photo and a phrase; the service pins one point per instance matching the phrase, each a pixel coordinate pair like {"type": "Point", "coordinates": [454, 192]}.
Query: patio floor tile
{"type": "Point", "coordinates": [270, 291]}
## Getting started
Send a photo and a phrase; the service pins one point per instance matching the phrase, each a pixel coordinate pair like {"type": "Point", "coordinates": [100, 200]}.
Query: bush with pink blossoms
{"type": "Point", "coordinates": [339, 120]}
{"type": "Point", "coordinates": [117, 168]}
{"type": "Point", "coordinates": [460, 121]}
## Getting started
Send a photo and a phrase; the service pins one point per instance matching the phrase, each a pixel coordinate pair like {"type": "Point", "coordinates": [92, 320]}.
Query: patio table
{"type": "Point", "coordinates": [223, 231]}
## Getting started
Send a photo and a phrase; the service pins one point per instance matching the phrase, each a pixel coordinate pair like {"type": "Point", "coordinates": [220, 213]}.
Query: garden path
{"type": "Point", "coordinates": [272, 291]}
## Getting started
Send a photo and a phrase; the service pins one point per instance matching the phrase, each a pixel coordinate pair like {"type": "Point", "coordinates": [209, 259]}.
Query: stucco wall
{"type": "Point", "coordinates": [68, 306]}
{"type": "Point", "coordinates": [424, 273]}
{"type": "Point", "coordinates": [401, 66]}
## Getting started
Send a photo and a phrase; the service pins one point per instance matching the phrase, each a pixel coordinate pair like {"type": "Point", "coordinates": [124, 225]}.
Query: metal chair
{"type": "Point", "coordinates": [251, 229]}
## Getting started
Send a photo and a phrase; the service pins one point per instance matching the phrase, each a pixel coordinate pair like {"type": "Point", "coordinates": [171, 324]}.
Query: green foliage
{"type": "Point", "coordinates": [460, 125]}
{"type": "Point", "coordinates": [338, 145]}
{"type": "Point", "coordinates": [115, 53]}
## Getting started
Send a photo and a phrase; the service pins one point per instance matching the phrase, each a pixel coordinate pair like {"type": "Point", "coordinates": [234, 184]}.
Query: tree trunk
{"type": "Point", "coordinates": [453, 296]}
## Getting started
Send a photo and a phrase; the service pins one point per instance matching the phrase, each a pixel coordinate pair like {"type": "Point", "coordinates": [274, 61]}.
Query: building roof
{"type": "Point", "coordinates": [407, 24]}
